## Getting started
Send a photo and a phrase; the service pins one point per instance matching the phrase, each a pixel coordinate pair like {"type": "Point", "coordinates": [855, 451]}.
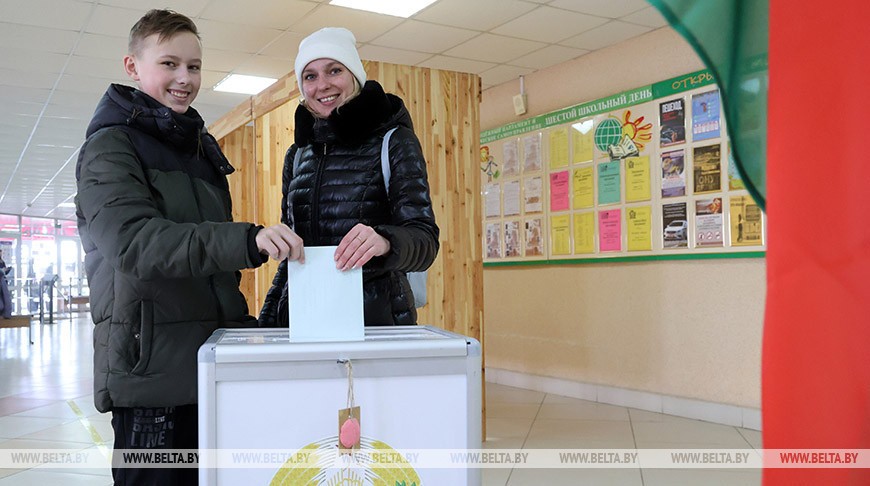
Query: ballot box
{"type": "Point", "coordinates": [270, 409]}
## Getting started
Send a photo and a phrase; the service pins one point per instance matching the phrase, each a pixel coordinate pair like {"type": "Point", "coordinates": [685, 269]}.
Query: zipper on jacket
{"type": "Point", "coordinates": [315, 198]}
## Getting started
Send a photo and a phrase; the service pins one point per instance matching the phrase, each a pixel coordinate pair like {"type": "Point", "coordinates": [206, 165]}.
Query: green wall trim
{"type": "Point", "coordinates": [644, 258]}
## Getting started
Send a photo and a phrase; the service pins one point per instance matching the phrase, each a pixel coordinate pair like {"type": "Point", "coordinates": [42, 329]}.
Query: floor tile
{"type": "Point", "coordinates": [13, 404]}
{"type": "Point", "coordinates": [12, 427]}
{"type": "Point", "coordinates": [37, 477]}
{"type": "Point", "coordinates": [8, 472]}
{"type": "Point", "coordinates": [687, 433]}
{"type": "Point", "coordinates": [503, 443]}
{"type": "Point", "coordinates": [707, 477]}
{"type": "Point", "coordinates": [512, 410]}
{"type": "Point", "coordinates": [496, 476]}
{"type": "Point", "coordinates": [54, 409]}
{"type": "Point", "coordinates": [556, 407]}
{"type": "Point", "coordinates": [59, 392]}
{"type": "Point", "coordinates": [69, 432]}
{"type": "Point", "coordinates": [86, 406]}
{"type": "Point", "coordinates": [41, 444]}
{"type": "Point", "coordinates": [751, 436]}
{"type": "Point", "coordinates": [580, 434]}
{"type": "Point", "coordinates": [500, 428]}
{"type": "Point", "coordinates": [598, 477]}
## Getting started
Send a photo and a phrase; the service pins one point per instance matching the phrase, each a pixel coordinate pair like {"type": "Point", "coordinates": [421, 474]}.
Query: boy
{"type": "Point", "coordinates": [162, 252]}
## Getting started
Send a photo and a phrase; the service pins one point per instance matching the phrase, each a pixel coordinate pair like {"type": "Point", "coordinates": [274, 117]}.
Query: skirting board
{"type": "Point", "coordinates": [719, 413]}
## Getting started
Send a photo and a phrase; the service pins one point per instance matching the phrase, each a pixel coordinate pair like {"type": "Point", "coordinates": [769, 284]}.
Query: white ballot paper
{"type": "Point", "coordinates": [324, 303]}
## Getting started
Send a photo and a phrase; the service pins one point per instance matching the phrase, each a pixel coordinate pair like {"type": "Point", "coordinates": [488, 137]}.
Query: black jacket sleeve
{"type": "Point", "coordinates": [412, 231]}
{"type": "Point", "coordinates": [278, 290]}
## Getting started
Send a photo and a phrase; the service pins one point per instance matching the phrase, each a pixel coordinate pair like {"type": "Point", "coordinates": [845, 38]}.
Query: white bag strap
{"type": "Point", "coordinates": [385, 158]}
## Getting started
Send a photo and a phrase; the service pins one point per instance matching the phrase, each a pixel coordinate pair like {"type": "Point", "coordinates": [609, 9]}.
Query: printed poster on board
{"type": "Point", "coordinates": [746, 222]}
{"type": "Point", "coordinates": [511, 166]}
{"type": "Point", "coordinates": [533, 195]}
{"type": "Point", "coordinates": [560, 191]}
{"type": "Point", "coordinates": [559, 148]}
{"type": "Point", "coordinates": [492, 199]}
{"type": "Point", "coordinates": [705, 115]}
{"type": "Point", "coordinates": [512, 241]}
{"type": "Point", "coordinates": [560, 234]}
{"type": "Point", "coordinates": [534, 237]}
{"type": "Point", "coordinates": [532, 153]}
{"type": "Point", "coordinates": [581, 139]}
{"type": "Point", "coordinates": [609, 182]}
{"type": "Point", "coordinates": [584, 233]}
{"type": "Point", "coordinates": [610, 230]}
{"type": "Point", "coordinates": [672, 118]}
{"type": "Point", "coordinates": [493, 240]}
{"type": "Point", "coordinates": [637, 179]}
{"type": "Point", "coordinates": [512, 198]}
{"type": "Point", "coordinates": [707, 169]}
{"type": "Point", "coordinates": [673, 173]}
{"type": "Point", "coordinates": [584, 188]}
{"type": "Point", "coordinates": [708, 222]}
{"type": "Point", "coordinates": [676, 226]}
{"type": "Point", "coordinates": [638, 221]}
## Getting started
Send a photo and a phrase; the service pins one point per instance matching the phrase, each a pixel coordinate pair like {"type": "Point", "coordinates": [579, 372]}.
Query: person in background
{"type": "Point", "coordinates": [5, 293]}
{"type": "Point", "coordinates": [336, 194]}
{"type": "Point", "coordinates": [161, 250]}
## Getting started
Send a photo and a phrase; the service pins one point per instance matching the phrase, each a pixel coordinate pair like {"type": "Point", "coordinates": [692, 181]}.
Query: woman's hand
{"type": "Point", "coordinates": [280, 242]}
{"type": "Point", "coordinates": [359, 246]}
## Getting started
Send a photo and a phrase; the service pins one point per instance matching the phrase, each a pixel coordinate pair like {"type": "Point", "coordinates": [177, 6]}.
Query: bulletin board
{"type": "Point", "coordinates": [644, 174]}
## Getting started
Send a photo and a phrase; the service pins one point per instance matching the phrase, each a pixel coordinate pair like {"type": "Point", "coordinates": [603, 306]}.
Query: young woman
{"type": "Point", "coordinates": [334, 191]}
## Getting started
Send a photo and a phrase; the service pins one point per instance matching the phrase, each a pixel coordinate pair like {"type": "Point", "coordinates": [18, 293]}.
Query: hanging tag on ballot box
{"type": "Point", "coordinates": [349, 429]}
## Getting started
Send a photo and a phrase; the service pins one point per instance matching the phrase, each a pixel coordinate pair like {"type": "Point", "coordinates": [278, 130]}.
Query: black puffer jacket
{"type": "Point", "coordinates": [161, 252]}
{"type": "Point", "coordinates": [339, 183]}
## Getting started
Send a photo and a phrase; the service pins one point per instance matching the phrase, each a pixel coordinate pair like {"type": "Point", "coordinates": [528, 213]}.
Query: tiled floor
{"type": "Point", "coordinates": [46, 403]}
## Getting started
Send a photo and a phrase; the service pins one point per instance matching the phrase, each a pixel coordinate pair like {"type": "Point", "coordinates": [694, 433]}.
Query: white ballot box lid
{"type": "Point", "coordinates": [268, 344]}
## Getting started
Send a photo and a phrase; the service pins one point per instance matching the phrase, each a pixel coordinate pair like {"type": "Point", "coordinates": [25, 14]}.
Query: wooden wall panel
{"type": "Point", "coordinates": [274, 135]}
{"type": "Point", "coordinates": [238, 146]}
{"type": "Point", "coordinates": [444, 106]}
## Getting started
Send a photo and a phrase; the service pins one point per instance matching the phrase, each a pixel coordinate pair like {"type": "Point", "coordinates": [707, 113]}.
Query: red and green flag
{"type": "Point", "coordinates": [793, 75]}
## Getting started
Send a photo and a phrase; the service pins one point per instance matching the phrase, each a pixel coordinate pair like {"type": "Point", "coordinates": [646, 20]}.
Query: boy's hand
{"type": "Point", "coordinates": [280, 242]}
{"type": "Point", "coordinates": [358, 246]}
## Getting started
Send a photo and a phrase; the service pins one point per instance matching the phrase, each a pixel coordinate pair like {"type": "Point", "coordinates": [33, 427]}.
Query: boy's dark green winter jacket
{"type": "Point", "coordinates": [161, 253]}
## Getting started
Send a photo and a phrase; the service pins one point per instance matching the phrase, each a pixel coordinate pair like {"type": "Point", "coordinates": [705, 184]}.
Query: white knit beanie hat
{"type": "Point", "coordinates": [330, 43]}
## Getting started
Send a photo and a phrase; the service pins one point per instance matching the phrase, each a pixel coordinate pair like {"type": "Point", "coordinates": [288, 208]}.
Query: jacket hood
{"type": "Point", "coordinates": [371, 112]}
{"type": "Point", "coordinates": [124, 105]}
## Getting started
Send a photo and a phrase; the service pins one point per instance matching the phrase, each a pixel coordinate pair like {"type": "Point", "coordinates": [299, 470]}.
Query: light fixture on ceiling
{"type": "Point", "coordinates": [404, 8]}
{"type": "Point", "coordinates": [67, 205]}
{"type": "Point", "coordinates": [243, 84]}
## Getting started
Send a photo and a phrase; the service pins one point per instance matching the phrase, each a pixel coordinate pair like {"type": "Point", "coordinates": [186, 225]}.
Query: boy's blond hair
{"type": "Point", "coordinates": [164, 23]}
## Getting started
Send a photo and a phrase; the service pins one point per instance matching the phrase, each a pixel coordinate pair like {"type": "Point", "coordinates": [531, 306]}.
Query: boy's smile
{"type": "Point", "coordinates": [168, 71]}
